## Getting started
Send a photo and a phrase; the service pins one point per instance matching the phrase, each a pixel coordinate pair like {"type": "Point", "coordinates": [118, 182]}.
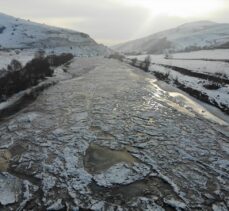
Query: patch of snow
{"type": "Point", "coordinates": [219, 207]}
{"type": "Point", "coordinates": [121, 173]}
{"type": "Point", "coordinates": [48, 182]}
{"type": "Point", "coordinates": [148, 204]}
{"type": "Point", "coordinates": [220, 54]}
{"type": "Point", "coordinates": [56, 206]}
{"type": "Point", "coordinates": [176, 204]}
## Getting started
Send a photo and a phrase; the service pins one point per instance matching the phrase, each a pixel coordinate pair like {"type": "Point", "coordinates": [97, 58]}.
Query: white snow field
{"type": "Point", "coordinates": [197, 61]}
{"type": "Point", "coordinates": [220, 54]}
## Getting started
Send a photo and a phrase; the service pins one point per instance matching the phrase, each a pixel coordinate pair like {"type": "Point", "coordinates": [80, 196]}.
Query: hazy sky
{"type": "Point", "coordinates": [115, 21]}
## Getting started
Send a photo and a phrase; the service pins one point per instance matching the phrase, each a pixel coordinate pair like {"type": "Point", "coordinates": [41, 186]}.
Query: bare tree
{"type": "Point", "coordinates": [168, 55]}
{"type": "Point", "coordinates": [147, 63]}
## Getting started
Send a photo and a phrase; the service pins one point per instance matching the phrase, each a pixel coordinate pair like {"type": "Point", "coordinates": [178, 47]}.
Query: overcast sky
{"type": "Point", "coordinates": [114, 21]}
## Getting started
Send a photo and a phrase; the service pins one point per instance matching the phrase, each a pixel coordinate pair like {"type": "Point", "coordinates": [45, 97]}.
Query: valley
{"type": "Point", "coordinates": [142, 125]}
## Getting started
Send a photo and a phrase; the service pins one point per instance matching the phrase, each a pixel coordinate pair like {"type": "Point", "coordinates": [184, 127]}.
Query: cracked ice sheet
{"type": "Point", "coordinates": [122, 109]}
{"type": "Point", "coordinates": [121, 173]}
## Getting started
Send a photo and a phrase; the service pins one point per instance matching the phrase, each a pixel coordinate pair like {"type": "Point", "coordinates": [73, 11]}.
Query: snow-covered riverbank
{"type": "Point", "coordinates": [197, 72]}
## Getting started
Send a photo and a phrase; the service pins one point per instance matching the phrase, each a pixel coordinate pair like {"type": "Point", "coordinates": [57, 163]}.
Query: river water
{"type": "Point", "coordinates": [109, 139]}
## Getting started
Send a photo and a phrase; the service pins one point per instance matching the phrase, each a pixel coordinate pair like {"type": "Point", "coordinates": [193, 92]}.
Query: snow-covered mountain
{"type": "Point", "coordinates": [17, 33]}
{"type": "Point", "coordinates": [190, 36]}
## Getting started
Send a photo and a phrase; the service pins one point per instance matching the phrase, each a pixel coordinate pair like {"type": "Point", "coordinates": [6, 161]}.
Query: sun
{"type": "Point", "coordinates": [180, 8]}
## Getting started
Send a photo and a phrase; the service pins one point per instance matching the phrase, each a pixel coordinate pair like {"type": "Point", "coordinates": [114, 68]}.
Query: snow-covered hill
{"type": "Point", "coordinates": [17, 33]}
{"type": "Point", "coordinates": [190, 36]}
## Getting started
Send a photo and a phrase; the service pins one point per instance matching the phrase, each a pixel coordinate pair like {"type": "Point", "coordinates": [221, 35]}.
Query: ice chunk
{"type": "Point", "coordinates": [10, 189]}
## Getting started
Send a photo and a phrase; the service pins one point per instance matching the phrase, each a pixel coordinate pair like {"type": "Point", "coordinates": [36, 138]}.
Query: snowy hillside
{"type": "Point", "coordinates": [187, 37]}
{"type": "Point", "coordinates": [16, 33]}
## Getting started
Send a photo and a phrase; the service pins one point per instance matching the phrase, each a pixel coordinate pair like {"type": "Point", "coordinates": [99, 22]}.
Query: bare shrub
{"type": "Point", "coordinates": [117, 56]}
{"type": "Point", "coordinates": [57, 60]}
{"type": "Point", "coordinates": [14, 65]}
{"type": "Point", "coordinates": [2, 28]}
{"type": "Point", "coordinates": [213, 86]}
{"type": "Point", "coordinates": [30, 75]}
{"type": "Point", "coordinates": [176, 81]}
{"type": "Point", "coordinates": [134, 61]}
{"type": "Point", "coordinates": [162, 76]}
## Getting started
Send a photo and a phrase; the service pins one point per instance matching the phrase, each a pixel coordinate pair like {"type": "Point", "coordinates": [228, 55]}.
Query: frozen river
{"type": "Point", "coordinates": [110, 139]}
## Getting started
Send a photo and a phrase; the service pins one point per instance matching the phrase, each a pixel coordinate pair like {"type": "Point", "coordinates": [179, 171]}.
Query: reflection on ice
{"type": "Point", "coordinates": [196, 107]}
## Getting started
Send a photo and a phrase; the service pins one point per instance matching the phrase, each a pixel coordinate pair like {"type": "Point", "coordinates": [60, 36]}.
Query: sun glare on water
{"type": "Point", "coordinates": [180, 8]}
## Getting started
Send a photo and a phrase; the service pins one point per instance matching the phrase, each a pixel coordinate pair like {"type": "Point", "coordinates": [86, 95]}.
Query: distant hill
{"type": "Point", "coordinates": [17, 33]}
{"type": "Point", "coordinates": [187, 37]}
